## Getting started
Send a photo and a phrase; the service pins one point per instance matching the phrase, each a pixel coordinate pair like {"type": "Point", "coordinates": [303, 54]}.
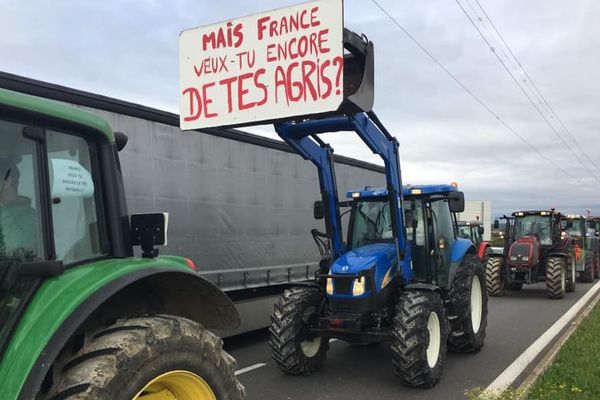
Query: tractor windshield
{"type": "Point", "coordinates": [372, 223]}
{"type": "Point", "coordinates": [533, 225]}
{"type": "Point", "coordinates": [574, 227]}
{"type": "Point", "coordinates": [20, 221]}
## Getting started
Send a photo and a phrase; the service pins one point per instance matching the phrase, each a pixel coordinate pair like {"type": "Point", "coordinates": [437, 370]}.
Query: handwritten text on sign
{"type": "Point", "coordinates": [279, 64]}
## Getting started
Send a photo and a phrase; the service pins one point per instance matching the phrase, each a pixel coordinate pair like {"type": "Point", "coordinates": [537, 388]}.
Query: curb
{"type": "Point", "coordinates": [528, 365]}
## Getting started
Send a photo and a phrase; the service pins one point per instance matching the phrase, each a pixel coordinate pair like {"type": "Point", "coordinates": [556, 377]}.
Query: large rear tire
{"type": "Point", "coordinates": [494, 272]}
{"type": "Point", "coordinates": [469, 299]}
{"type": "Point", "coordinates": [587, 275]}
{"type": "Point", "coordinates": [556, 277]}
{"type": "Point", "coordinates": [139, 357]}
{"type": "Point", "coordinates": [293, 349]}
{"type": "Point", "coordinates": [419, 336]}
{"type": "Point", "coordinates": [597, 265]}
{"type": "Point", "coordinates": [571, 271]}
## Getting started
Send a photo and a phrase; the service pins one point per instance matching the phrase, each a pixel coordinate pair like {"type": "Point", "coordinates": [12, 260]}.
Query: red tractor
{"type": "Point", "coordinates": [474, 232]}
{"type": "Point", "coordinates": [535, 249]}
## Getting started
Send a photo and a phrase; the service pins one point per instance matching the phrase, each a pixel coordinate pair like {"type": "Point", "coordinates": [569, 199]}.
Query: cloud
{"type": "Point", "coordinates": [128, 49]}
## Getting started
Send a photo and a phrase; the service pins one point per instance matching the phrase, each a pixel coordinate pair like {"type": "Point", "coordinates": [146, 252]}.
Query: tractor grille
{"type": "Point", "coordinates": [343, 285]}
{"type": "Point", "coordinates": [519, 251]}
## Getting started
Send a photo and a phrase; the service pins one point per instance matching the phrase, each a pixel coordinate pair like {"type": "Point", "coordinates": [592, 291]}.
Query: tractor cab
{"type": "Point", "coordinates": [471, 230]}
{"type": "Point", "coordinates": [532, 231]}
{"type": "Point", "coordinates": [371, 252]}
{"type": "Point", "coordinates": [574, 225]}
{"type": "Point", "coordinates": [585, 245]}
{"type": "Point", "coordinates": [592, 225]}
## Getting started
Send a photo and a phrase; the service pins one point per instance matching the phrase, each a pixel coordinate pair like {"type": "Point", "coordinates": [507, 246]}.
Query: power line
{"type": "Point", "coordinates": [527, 95]}
{"type": "Point", "coordinates": [542, 97]}
{"type": "Point", "coordinates": [473, 95]}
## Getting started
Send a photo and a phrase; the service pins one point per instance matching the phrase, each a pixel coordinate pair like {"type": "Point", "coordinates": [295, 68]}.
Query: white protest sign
{"type": "Point", "coordinates": [70, 179]}
{"type": "Point", "coordinates": [278, 64]}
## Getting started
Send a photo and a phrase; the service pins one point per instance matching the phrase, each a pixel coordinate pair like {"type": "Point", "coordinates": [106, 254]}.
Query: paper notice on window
{"type": "Point", "coordinates": [70, 179]}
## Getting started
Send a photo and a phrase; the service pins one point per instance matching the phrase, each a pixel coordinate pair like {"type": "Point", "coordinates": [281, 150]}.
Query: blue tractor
{"type": "Point", "coordinates": [401, 276]}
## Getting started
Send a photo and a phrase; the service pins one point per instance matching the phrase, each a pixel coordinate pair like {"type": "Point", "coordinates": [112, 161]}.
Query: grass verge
{"type": "Point", "coordinates": [575, 373]}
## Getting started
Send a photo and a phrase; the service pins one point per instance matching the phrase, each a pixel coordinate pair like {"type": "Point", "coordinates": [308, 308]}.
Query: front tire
{"type": "Point", "coordinates": [571, 272]}
{"type": "Point", "coordinates": [136, 357]}
{"type": "Point", "coordinates": [556, 277]}
{"type": "Point", "coordinates": [293, 349]}
{"type": "Point", "coordinates": [419, 336]}
{"type": "Point", "coordinates": [587, 275]}
{"type": "Point", "coordinates": [468, 295]}
{"type": "Point", "coordinates": [494, 270]}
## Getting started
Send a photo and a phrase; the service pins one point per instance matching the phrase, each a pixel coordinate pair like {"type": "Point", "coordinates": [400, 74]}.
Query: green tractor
{"type": "Point", "coordinates": [585, 246]}
{"type": "Point", "coordinates": [81, 317]}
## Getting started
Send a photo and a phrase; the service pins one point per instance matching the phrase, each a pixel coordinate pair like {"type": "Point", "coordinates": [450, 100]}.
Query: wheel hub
{"type": "Point", "coordinates": [176, 385]}
{"type": "Point", "coordinates": [476, 304]}
{"type": "Point", "coordinates": [310, 344]}
{"type": "Point", "coordinates": [435, 336]}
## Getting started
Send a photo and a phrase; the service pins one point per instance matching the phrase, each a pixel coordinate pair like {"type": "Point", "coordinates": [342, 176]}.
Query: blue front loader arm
{"type": "Point", "coordinates": [302, 137]}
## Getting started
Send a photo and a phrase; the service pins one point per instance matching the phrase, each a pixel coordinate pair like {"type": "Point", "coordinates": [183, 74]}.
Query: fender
{"type": "Point", "coordinates": [424, 287]}
{"type": "Point", "coordinates": [63, 303]}
{"type": "Point", "coordinates": [482, 248]}
{"type": "Point", "coordinates": [557, 254]}
{"type": "Point", "coordinates": [457, 251]}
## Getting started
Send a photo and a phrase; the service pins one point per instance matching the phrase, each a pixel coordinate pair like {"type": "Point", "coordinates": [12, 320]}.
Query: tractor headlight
{"type": "Point", "coordinates": [525, 258]}
{"type": "Point", "coordinates": [359, 286]}
{"type": "Point", "coordinates": [329, 285]}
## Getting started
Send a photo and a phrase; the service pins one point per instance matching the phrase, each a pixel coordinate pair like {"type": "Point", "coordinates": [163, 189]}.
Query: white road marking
{"type": "Point", "coordinates": [512, 372]}
{"type": "Point", "coordinates": [250, 368]}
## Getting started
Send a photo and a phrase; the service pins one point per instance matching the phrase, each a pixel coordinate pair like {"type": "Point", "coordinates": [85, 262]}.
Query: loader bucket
{"type": "Point", "coordinates": [358, 74]}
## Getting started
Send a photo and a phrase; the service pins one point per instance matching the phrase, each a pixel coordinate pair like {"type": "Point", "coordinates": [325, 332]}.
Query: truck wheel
{"type": "Point", "coordinates": [419, 336]}
{"type": "Point", "coordinates": [587, 275]}
{"type": "Point", "coordinates": [147, 357]}
{"type": "Point", "coordinates": [556, 277]}
{"type": "Point", "coordinates": [515, 286]}
{"type": "Point", "coordinates": [494, 276]}
{"type": "Point", "coordinates": [469, 302]}
{"type": "Point", "coordinates": [294, 350]}
{"type": "Point", "coordinates": [571, 271]}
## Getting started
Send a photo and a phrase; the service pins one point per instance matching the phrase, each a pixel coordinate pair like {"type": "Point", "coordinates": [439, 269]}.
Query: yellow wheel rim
{"type": "Point", "coordinates": [176, 385]}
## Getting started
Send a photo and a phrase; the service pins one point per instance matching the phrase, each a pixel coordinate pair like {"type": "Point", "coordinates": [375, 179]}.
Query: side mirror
{"type": "Point", "coordinates": [496, 224]}
{"type": "Point", "coordinates": [318, 210]}
{"type": "Point", "coordinates": [149, 230]}
{"type": "Point", "coordinates": [481, 230]}
{"type": "Point", "coordinates": [121, 140]}
{"type": "Point", "coordinates": [456, 201]}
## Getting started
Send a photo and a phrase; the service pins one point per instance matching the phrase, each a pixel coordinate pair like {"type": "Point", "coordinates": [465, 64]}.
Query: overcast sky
{"type": "Point", "coordinates": [128, 50]}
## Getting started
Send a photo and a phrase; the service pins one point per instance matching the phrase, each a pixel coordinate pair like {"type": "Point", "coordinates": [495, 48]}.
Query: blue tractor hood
{"type": "Point", "coordinates": [379, 255]}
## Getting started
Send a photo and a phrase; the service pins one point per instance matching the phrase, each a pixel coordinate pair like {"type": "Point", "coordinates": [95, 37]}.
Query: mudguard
{"type": "Point", "coordinates": [482, 249]}
{"type": "Point", "coordinates": [457, 252]}
{"type": "Point", "coordinates": [64, 302]}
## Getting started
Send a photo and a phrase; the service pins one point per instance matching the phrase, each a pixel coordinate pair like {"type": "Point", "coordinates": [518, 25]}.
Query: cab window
{"type": "Point", "coordinates": [74, 198]}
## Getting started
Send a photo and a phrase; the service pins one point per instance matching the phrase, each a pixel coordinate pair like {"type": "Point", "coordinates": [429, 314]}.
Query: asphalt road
{"type": "Point", "coordinates": [514, 322]}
